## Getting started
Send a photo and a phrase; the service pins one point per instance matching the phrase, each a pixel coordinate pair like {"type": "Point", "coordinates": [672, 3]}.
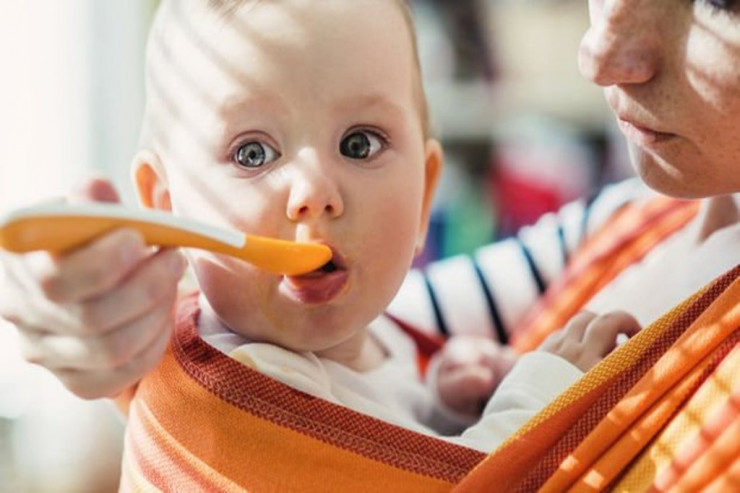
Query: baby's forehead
{"type": "Point", "coordinates": [268, 35]}
{"type": "Point", "coordinates": [190, 43]}
{"type": "Point", "coordinates": [240, 13]}
{"type": "Point", "coordinates": [197, 51]}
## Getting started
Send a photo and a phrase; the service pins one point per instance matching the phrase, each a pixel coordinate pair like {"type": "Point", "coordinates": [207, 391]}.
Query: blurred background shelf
{"type": "Point", "coordinates": [479, 110]}
{"type": "Point", "coordinates": [523, 131]}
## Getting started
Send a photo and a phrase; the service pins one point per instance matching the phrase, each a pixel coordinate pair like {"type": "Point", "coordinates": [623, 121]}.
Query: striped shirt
{"type": "Point", "coordinates": [488, 292]}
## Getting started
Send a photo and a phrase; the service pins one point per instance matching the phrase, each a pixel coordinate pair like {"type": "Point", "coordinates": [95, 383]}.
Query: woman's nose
{"type": "Point", "coordinates": [314, 192]}
{"type": "Point", "coordinates": [622, 45]}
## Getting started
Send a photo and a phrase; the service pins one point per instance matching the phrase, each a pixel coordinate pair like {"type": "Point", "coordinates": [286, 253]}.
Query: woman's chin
{"type": "Point", "coordinates": [670, 177]}
{"type": "Point", "coordinates": [663, 178]}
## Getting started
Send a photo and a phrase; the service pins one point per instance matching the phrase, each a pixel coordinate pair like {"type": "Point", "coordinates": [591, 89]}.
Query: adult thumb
{"type": "Point", "coordinates": [95, 189]}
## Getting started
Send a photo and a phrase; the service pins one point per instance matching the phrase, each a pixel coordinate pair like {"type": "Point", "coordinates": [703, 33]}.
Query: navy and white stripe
{"type": "Point", "coordinates": [487, 293]}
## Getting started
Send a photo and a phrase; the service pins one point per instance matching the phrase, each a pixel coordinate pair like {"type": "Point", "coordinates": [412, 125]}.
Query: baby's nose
{"type": "Point", "coordinates": [314, 192]}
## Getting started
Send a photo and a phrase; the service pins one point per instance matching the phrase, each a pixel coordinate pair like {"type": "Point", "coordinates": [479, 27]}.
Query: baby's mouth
{"type": "Point", "coordinates": [328, 267]}
{"type": "Point", "coordinates": [335, 263]}
{"type": "Point", "coordinates": [321, 285]}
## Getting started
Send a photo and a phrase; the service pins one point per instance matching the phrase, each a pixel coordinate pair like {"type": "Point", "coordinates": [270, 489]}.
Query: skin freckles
{"type": "Point", "coordinates": [670, 70]}
{"type": "Point", "coordinates": [256, 82]}
{"type": "Point", "coordinates": [673, 70]}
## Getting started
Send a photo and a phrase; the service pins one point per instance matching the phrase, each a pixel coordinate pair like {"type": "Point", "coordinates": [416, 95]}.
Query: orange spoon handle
{"type": "Point", "coordinates": [63, 227]}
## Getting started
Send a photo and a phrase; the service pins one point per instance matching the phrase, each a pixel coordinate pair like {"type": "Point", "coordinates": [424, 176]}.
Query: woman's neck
{"type": "Point", "coordinates": [717, 213]}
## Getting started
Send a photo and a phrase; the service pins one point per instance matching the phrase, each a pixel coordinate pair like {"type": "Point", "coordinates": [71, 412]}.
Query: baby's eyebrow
{"type": "Point", "coordinates": [231, 107]}
{"type": "Point", "coordinates": [372, 101]}
{"type": "Point", "coordinates": [232, 113]}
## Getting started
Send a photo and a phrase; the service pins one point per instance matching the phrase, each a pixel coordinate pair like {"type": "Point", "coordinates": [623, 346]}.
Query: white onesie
{"type": "Point", "coordinates": [394, 391]}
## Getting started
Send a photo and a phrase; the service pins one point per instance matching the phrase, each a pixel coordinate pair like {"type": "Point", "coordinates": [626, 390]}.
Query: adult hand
{"type": "Point", "coordinates": [588, 338]}
{"type": "Point", "coordinates": [98, 317]}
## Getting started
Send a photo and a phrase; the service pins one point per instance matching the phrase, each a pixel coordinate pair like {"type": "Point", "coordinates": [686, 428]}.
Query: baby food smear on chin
{"type": "Point", "coordinates": [319, 286]}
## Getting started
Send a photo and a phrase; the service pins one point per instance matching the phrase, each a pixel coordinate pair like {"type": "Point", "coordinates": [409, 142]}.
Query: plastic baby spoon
{"type": "Point", "coordinates": [62, 227]}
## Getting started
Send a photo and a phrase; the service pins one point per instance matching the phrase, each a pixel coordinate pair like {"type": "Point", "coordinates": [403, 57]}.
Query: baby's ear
{"type": "Point", "coordinates": [433, 162]}
{"type": "Point", "coordinates": [150, 181]}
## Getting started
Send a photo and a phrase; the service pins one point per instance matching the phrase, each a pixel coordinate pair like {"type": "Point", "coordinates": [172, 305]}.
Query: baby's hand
{"type": "Point", "coordinates": [470, 369]}
{"type": "Point", "coordinates": [99, 317]}
{"type": "Point", "coordinates": [588, 337]}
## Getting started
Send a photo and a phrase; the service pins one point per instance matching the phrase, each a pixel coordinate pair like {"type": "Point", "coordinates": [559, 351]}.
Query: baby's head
{"type": "Point", "coordinates": [302, 120]}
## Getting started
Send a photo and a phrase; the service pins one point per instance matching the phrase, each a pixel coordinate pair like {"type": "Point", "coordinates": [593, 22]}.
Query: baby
{"type": "Point", "coordinates": [295, 120]}
{"type": "Point", "coordinates": [306, 120]}
{"type": "Point", "coordinates": [291, 120]}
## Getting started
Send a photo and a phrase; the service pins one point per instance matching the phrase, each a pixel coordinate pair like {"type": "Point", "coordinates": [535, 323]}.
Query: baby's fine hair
{"type": "Point", "coordinates": [226, 7]}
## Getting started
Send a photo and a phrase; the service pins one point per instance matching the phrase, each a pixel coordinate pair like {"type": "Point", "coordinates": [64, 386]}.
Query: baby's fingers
{"type": "Point", "coordinates": [568, 339]}
{"type": "Point", "coordinates": [587, 338]}
{"type": "Point", "coordinates": [465, 389]}
{"type": "Point", "coordinates": [601, 334]}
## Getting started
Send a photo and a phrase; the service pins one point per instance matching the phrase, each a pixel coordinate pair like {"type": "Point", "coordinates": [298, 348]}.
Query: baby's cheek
{"type": "Point", "coordinates": [231, 286]}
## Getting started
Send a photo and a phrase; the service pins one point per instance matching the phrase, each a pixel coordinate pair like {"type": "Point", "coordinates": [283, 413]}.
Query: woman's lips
{"type": "Point", "coordinates": [643, 136]}
{"type": "Point", "coordinates": [321, 285]}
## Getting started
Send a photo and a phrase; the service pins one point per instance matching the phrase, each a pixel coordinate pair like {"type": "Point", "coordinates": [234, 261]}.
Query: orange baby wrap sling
{"type": "Point", "coordinates": [660, 413]}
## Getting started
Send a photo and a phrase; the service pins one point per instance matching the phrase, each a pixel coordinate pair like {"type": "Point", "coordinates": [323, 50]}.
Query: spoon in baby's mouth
{"type": "Point", "coordinates": [334, 263]}
{"type": "Point", "coordinates": [62, 227]}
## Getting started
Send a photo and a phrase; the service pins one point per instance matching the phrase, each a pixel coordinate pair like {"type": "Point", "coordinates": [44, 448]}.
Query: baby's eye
{"type": "Point", "coordinates": [361, 144]}
{"type": "Point", "coordinates": [254, 155]}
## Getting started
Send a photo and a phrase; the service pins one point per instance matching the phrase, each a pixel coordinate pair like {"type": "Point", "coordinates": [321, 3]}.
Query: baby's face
{"type": "Point", "coordinates": [299, 120]}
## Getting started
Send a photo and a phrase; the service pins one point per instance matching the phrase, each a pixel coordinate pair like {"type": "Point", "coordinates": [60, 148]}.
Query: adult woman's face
{"type": "Point", "coordinates": [671, 74]}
